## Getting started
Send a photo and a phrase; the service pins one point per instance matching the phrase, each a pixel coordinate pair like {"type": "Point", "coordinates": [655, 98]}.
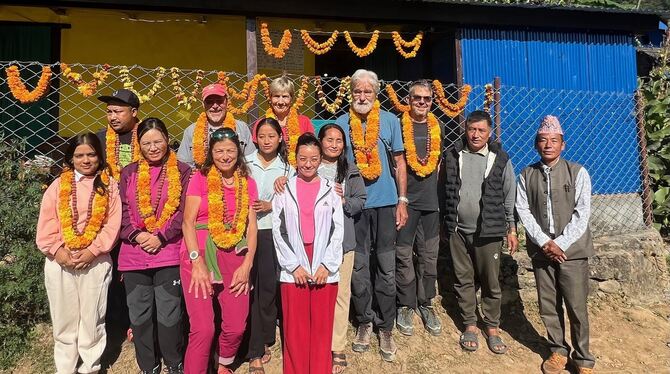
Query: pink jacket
{"type": "Point", "coordinates": [131, 255]}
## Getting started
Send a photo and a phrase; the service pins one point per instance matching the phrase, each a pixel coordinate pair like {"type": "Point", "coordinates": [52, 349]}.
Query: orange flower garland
{"type": "Point", "coordinates": [147, 211]}
{"type": "Point", "coordinates": [450, 109]}
{"type": "Point", "coordinates": [426, 166]}
{"type": "Point", "coordinates": [401, 43]}
{"type": "Point", "coordinates": [112, 150]}
{"type": "Point", "coordinates": [365, 146]}
{"type": "Point", "coordinates": [75, 240]}
{"type": "Point", "coordinates": [293, 131]}
{"type": "Point", "coordinates": [18, 88]}
{"type": "Point", "coordinates": [345, 85]}
{"type": "Point", "coordinates": [201, 135]}
{"type": "Point", "coordinates": [85, 88]}
{"type": "Point", "coordinates": [400, 107]}
{"type": "Point", "coordinates": [248, 93]}
{"type": "Point", "coordinates": [279, 51]}
{"type": "Point", "coordinates": [362, 52]}
{"type": "Point", "coordinates": [300, 95]}
{"type": "Point", "coordinates": [316, 47]}
{"type": "Point", "coordinates": [225, 233]}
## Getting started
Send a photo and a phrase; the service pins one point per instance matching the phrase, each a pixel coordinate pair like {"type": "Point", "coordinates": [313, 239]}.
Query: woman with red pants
{"type": "Point", "coordinates": [307, 227]}
{"type": "Point", "coordinates": [218, 251]}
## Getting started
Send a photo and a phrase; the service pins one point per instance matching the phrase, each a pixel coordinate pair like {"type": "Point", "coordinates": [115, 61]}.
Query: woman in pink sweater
{"type": "Point", "coordinates": [79, 223]}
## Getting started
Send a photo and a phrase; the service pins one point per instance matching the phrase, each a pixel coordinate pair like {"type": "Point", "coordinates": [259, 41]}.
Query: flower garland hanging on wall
{"type": "Point", "coordinates": [344, 89]}
{"type": "Point", "coordinates": [369, 48]}
{"type": "Point", "coordinates": [279, 51]}
{"type": "Point", "coordinates": [401, 44]}
{"type": "Point", "coordinates": [451, 109]}
{"type": "Point", "coordinates": [488, 97]}
{"type": "Point", "coordinates": [250, 89]}
{"type": "Point", "coordinates": [18, 88]}
{"type": "Point", "coordinates": [182, 98]}
{"type": "Point", "coordinates": [400, 107]}
{"type": "Point", "coordinates": [316, 47]}
{"type": "Point", "coordinates": [128, 84]}
{"type": "Point", "coordinates": [85, 88]}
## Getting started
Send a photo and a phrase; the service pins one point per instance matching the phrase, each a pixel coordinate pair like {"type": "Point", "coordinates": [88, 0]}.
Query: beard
{"type": "Point", "coordinates": [363, 108]}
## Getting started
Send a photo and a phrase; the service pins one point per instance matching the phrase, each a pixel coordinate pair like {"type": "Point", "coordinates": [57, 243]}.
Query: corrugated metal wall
{"type": "Point", "coordinates": [573, 75]}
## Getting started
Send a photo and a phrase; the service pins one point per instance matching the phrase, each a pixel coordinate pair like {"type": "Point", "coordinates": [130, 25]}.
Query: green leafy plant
{"type": "Point", "coordinates": [23, 301]}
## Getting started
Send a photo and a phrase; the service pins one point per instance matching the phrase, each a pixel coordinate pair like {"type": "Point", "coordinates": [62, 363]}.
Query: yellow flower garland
{"type": "Point", "coordinates": [316, 47]}
{"type": "Point", "coordinates": [400, 107]}
{"type": "Point", "coordinates": [143, 191]}
{"type": "Point", "coordinates": [73, 240]}
{"type": "Point", "coordinates": [369, 48]}
{"type": "Point", "coordinates": [18, 88]}
{"type": "Point", "coordinates": [300, 95]}
{"type": "Point", "coordinates": [248, 93]}
{"type": "Point", "coordinates": [451, 109]}
{"type": "Point", "coordinates": [344, 89]}
{"type": "Point", "coordinates": [128, 84]}
{"type": "Point", "coordinates": [428, 165]}
{"type": "Point", "coordinates": [226, 234]}
{"type": "Point", "coordinates": [488, 96]}
{"type": "Point", "coordinates": [112, 150]}
{"type": "Point", "coordinates": [201, 136]}
{"type": "Point", "coordinates": [293, 131]}
{"type": "Point", "coordinates": [182, 98]}
{"type": "Point", "coordinates": [279, 51]}
{"type": "Point", "coordinates": [401, 43]}
{"type": "Point", "coordinates": [85, 88]}
{"type": "Point", "coordinates": [365, 147]}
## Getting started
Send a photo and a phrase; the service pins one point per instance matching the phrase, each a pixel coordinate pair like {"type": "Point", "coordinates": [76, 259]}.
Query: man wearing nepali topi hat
{"type": "Point", "coordinates": [554, 204]}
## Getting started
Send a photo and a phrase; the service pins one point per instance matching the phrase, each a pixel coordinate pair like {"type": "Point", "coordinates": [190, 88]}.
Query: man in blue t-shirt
{"type": "Point", "coordinates": [374, 135]}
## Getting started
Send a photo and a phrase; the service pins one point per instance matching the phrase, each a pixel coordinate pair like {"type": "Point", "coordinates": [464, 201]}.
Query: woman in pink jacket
{"type": "Point", "coordinates": [79, 223]}
{"type": "Point", "coordinates": [153, 191]}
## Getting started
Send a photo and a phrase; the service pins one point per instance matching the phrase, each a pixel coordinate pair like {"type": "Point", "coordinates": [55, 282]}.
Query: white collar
{"type": "Point", "coordinates": [78, 176]}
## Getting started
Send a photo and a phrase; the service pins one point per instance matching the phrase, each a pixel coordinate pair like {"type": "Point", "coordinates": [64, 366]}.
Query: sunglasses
{"type": "Point", "coordinates": [224, 133]}
{"type": "Point", "coordinates": [418, 98]}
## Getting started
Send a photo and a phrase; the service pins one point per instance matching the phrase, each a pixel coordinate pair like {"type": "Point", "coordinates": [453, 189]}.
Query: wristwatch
{"type": "Point", "coordinates": [403, 199]}
{"type": "Point", "coordinates": [193, 255]}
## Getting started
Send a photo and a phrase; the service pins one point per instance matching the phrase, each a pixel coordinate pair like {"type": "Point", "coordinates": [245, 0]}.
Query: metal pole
{"type": "Point", "coordinates": [252, 60]}
{"type": "Point", "coordinates": [647, 210]}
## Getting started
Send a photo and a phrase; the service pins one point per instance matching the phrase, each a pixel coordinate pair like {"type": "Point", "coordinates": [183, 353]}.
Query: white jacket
{"type": "Point", "coordinates": [328, 232]}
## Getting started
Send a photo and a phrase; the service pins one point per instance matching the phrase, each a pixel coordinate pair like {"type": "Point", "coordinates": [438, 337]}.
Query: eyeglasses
{"type": "Point", "coordinates": [224, 133]}
{"type": "Point", "coordinates": [366, 93]}
{"type": "Point", "coordinates": [418, 98]}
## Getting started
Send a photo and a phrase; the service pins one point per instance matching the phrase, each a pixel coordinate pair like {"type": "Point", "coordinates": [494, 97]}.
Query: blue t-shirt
{"type": "Point", "coordinates": [382, 191]}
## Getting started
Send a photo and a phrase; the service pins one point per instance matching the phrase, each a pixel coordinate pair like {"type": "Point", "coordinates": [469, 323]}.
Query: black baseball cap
{"type": "Point", "coordinates": [124, 96]}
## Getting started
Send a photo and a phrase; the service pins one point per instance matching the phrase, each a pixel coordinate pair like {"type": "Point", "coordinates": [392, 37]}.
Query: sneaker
{"type": "Point", "coordinates": [404, 320]}
{"type": "Point", "coordinates": [555, 364]}
{"type": "Point", "coordinates": [362, 340]}
{"type": "Point", "coordinates": [430, 320]}
{"type": "Point", "coordinates": [175, 369]}
{"type": "Point", "coordinates": [387, 346]}
{"type": "Point", "coordinates": [156, 370]}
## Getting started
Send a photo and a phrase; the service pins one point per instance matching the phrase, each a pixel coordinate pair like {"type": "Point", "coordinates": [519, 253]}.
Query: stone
{"type": "Point", "coordinates": [610, 286]}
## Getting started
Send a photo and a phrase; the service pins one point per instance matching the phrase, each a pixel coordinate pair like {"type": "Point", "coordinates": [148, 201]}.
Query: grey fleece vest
{"type": "Point", "coordinates": [563, 177]}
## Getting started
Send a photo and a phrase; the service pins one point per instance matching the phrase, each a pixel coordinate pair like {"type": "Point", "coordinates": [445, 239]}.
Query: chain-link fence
{"type": "Point", "coordinates": [600, 127]}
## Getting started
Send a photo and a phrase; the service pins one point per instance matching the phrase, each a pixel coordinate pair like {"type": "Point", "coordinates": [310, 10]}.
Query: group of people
{"type": "Point", "coordinates": [270, 224]}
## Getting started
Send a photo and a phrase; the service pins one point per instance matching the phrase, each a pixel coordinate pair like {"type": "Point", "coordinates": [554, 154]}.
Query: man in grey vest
{"type": "Point", "coordinates": [479, 212]}
{"type": "Point", "coordinates": [554, 205]}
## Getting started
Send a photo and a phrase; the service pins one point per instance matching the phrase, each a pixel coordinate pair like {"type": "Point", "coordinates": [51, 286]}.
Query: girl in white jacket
{"type": "Point", "coordinates": [307, 227]}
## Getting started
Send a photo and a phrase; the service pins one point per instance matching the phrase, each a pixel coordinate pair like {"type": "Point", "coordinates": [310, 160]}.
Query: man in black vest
{"type": "Point", "coordinates": [479, 212]}
{"type": "Point", "coordinates": [554, 205]}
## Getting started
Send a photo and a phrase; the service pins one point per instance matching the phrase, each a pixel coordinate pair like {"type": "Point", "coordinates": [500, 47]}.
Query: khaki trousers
{"type": "Point", "coordinates": [341, 320]}
{"type": "Point", "coordinates": [78, 302]}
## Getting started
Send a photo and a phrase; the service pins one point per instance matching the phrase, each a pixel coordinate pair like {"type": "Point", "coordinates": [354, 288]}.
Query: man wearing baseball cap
{"type": "Point", "coordinates": [554, 204]}
{"type": "Point", "coordinates": [215, 116]}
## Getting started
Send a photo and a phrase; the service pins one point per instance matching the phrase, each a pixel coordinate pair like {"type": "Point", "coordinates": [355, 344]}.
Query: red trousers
{"type": "Point", "coordinates": [308, 313]}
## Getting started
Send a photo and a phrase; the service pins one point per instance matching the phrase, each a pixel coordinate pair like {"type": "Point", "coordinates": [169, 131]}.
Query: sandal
{"type": "Point", "coordinates": [469, 337]}
{"type": "Point", "coordinates": [339, 362]}
{"type": "Point", "coordinates": [496, 344]}
{"type": "Point", "coordinates": [267, 356]}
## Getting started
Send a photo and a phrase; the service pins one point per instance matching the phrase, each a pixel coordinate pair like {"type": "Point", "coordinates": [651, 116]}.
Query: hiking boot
{"type": "Point", "coordinates": [156, 370]}
{"type": "Point", "coordinates": [175, 369]}
{"type": "Point", "coordinates": [361, 342]}
{"type": "Point", "coordinates": [430, 320]}
{"type": "Point", "coordinates": [555, 364]}
{"type": "Point", "coordinates": [404, 320]}
{"type": "Point", "coordinates": [387, 346]}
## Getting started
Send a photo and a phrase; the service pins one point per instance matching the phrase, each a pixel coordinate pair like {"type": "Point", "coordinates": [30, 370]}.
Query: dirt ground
{"type": "Point", "coordinates": [625, 338]}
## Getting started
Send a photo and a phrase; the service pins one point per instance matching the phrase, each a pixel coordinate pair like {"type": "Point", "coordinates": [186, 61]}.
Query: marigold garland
{"type": "Point", "coordinates": [143, 192]}
{"type": "Point", "coordinates": [300, 95]}
{"type": "Point", "coordinates": [400, 107]}
{"type": "Point", "coordinates": [316, 47]}
{"type": "Point", "coordinates": [182, 98]}
{"type": "Point", "coordinates": [112, 151]}
{"type": "Point", "coordinates": [488, 96]}
{"type": "Point", "coordinates": [279, 51]}
{"type": "Point", "coordinates": [369, 48]}
{"type": "Point", "coordinates": [85, 88]}
{"type": "Point", "coordinates": [401, 43]}
{"type": "Point", "coordinates": [248, 93]}
{"type": "Point", "coordinates": [18, 88]}
{"type": "Point", "coordinates": [73, 238]}
{"type": "Point", "coordinates": [201, 135]}
{"type": "Point", "coordinates": [226, 233]}
{"type": "Point", "coordinates": [128, 84]}
{"type": "Point", "coordinates": [344, 89]}
{"type": "Point", "coordinates": [451, 109]}
{"type": "Point", "coordinates": [365, 147]}
{"type": "Point", "coordinates": [292, 130]}
{"type": "Point", "coordinates": [426, 165]}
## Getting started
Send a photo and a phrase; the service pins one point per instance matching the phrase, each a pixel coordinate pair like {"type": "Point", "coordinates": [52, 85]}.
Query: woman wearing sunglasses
{"type": "Point", "coordinates": [218, 252]}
